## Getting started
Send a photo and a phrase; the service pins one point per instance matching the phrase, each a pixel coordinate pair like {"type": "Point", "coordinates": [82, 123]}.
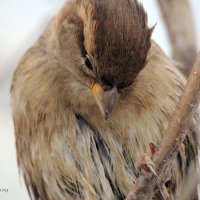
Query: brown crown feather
{"type": "Point", "coordinates": [120, 40]}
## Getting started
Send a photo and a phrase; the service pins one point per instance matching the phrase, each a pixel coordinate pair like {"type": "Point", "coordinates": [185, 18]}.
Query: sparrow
{"type": "Point", "coordinates": [88, 98]}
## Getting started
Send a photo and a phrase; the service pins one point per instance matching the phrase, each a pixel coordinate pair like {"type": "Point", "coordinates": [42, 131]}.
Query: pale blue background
{"type": "Point", "coordinates": [21, 21]}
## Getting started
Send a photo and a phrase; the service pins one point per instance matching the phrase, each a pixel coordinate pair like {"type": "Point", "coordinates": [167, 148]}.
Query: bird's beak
{"type": "Point", "coordinates": [106, 99]}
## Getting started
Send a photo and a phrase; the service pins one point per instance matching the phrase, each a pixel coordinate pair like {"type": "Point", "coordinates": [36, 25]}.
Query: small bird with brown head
{"type": "Point", "coordinates": [88, 98]}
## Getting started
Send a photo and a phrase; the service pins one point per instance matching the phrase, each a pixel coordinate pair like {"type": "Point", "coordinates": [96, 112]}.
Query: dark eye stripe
{"type": "Point", "coordinates": [88, 62]}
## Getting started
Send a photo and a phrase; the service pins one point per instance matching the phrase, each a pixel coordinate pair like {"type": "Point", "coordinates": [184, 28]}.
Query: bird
{"type": "Point", "coordinates": [88, 98]}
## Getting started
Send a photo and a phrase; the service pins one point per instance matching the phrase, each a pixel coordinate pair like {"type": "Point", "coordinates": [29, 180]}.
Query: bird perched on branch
{"type": "Point", "coordinates": [88, 98]}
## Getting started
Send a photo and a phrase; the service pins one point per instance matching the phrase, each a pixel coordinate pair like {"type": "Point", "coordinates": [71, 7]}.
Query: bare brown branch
{"type": "Point", "coordinates": [146, 186]}
{"type": "Point", "coordinates": [178, 18]}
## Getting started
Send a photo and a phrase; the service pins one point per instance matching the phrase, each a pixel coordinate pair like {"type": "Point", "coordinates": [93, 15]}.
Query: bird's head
{"type": "Point", "coordinates": [104, 44]}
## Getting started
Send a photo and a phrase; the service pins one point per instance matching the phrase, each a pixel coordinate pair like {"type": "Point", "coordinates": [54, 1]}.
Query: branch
{"type": "Point", "coordinates": [178, 19]}
{"type": "Point", "coordinates": [146, 186]}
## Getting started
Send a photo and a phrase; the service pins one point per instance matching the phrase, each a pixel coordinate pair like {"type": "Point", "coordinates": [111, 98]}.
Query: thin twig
{"type": "Point", "coordinates": [179, 22]}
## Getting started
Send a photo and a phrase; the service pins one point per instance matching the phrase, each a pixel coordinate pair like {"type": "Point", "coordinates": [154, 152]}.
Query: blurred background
{"type": "Point", "coordinates": [21, 22]}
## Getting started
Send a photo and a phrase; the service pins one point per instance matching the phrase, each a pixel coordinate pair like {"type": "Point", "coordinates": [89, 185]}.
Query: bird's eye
{"type": "Point", "coordinates": [88, 62]}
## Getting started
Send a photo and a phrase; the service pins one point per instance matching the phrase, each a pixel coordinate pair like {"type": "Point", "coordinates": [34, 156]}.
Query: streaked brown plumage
{"type": "Point", "coordinates": [94, 58]}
